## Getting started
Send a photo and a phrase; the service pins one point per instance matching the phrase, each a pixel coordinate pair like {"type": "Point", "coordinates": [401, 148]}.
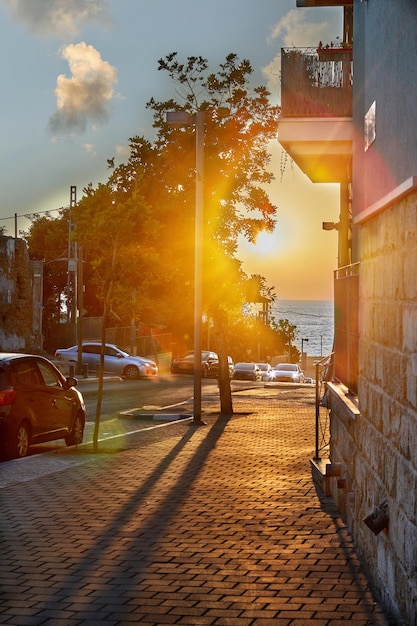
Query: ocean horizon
{"type": "Point", "coordinates": [314, 320]}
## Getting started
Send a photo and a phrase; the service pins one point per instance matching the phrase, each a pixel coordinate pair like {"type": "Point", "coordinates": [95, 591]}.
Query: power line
{"type": "Point", "coordinates": [28, 215]}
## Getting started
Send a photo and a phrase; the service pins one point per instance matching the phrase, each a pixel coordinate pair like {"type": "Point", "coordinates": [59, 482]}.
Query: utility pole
{"type": "Point", "coordinates": [72, 271]}
{"type": "Point", "coordinates": [80, 306]}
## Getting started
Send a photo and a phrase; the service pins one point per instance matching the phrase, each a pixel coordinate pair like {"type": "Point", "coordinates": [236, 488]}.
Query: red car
{"type": "Point", "coordinates": [37, 404]}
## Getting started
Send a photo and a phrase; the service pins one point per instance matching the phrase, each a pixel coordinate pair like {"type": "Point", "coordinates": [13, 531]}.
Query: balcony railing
{"type": "Point", "coordinates": [346, 325]}
{"type": "Point", "coordinates": [316, 82]}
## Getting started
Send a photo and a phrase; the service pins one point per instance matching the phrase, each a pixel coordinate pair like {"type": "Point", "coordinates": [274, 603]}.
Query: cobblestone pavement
{"type": "Point", "coordinates": [214, 525]}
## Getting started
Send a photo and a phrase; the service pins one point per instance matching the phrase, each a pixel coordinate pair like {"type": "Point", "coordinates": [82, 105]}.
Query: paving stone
{"type": "Point", "coordinates": [218, 525]}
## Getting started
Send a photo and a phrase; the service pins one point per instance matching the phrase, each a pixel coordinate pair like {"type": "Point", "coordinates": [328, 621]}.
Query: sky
{"type": "Point", "coordinates": [76, 76]}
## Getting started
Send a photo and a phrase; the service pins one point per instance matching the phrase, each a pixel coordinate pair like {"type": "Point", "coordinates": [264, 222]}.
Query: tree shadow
{"type": "Point", "coordinates": [142, 543]}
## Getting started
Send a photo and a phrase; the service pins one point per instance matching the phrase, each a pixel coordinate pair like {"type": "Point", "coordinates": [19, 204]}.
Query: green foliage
{"type": "Point", "coordinates": [137, 229]}
{"type": "Point", "coordinates": [288, 333]}
{"type": "Point", "coordinates": [47, 241]}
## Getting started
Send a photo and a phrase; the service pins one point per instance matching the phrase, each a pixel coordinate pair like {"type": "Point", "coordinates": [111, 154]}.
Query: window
{"type": "Point", "coordinates": [112, 352]}
{"type": "Point", "coordinates": [25, 372]}
{"type": "Point", "coordinates": [49, 375]}
{"type": "Point", "coordinates": [91, 349]}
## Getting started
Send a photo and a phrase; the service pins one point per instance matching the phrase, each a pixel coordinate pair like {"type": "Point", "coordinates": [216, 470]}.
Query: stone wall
{"type": "Point", "coordinates": [16, 310]}
{"type": "Point", "coordinates": [377, 448]}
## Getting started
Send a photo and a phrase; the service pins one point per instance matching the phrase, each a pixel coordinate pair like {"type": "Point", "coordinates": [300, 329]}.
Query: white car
{"type": "Point", "coordinates": [266, 370]}
{"type": "Point", "coordinates": [287, 373]}
{"type": "Point", "coordinates": [116, 361]}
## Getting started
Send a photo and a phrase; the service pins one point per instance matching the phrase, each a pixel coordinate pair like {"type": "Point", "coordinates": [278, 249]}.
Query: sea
{"type": "Point", "coordinates": [314, 320]}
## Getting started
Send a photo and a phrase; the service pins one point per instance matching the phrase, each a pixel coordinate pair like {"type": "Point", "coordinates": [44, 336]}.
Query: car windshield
{"type": "Point", "coordinates": [286, 367]}
{"type": "Point", "coordinates": [245, 366]}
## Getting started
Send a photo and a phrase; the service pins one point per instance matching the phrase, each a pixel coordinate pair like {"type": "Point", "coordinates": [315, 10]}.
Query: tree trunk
{"type": "Point", "coordinates": [100, 379]}
{"type": "Point", "coordinates": [226, 404]}
{"type": "Point", "coordinates": [106, 304]}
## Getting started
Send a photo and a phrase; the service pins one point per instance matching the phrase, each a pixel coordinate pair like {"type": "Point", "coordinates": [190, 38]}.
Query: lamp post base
{"type": "Point", "coordinates": [197, 421]}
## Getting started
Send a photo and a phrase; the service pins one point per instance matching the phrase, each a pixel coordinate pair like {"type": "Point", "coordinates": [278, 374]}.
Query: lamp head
{"type": "Point", "coordinates": [179, 118]}
{"type": "Point", "coordinates": [330, 225]}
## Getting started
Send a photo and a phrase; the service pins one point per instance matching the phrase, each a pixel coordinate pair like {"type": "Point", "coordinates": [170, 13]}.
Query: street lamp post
{"type": "Point", "coordinates": [182, 118]}
{"type": "Point", "coordinates": [302, 352]}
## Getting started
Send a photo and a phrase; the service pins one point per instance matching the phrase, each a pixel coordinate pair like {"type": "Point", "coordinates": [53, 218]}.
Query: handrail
{"type": "Point", "coordinates": [324, 372]}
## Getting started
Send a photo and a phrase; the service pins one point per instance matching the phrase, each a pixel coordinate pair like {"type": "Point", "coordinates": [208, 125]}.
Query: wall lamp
{"type": "Point", "coordinates": [330, 226]}
{"type": "Point", "coordinates": [379, 518]}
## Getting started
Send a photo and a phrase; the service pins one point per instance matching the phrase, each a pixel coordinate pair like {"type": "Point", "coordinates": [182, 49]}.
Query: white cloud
{"type": "Point", "coordinates": [57, 18]}
{"type": "Point", "coordinates": [297, 29]}
{"type": "Point", "coordinates": [87, 94]}
{"type": "Point", "coordinates": [90, 148]}
{"type": "Point", "coordinates": [272, 74]}
{"type": "Point", "coordinates": [123, 151]}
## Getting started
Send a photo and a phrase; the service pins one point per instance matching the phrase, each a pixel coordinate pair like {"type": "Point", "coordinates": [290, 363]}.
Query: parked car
{"type": "Point", "coordinates": [213, 368]}
{"type": "Point", "coordinates": [185, 364]}
{"type": "Point", "coordinates": [116, 361]}
{"type": "Point", "coordinates": [247, 371]}
{"type": "Point", "coordinates": [287, 373]}
{"type": "Point", "coordinates": [37, 404]}
{"type": "Point", "coordinates": [266, 369]}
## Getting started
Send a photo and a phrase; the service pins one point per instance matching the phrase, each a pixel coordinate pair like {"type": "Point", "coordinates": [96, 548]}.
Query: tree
{"type": "Point", "coordinates": [236, 160]}
{"type": "Point", "coordinates": [288, 332]}
{"type": "Point", "coordinates": [104, 221]}
{"type": "Point", "coordinates": [137, 230]}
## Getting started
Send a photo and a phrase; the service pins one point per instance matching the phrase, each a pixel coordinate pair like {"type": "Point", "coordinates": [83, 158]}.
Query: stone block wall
{"type": "Point", "coordinates": [16, 310]}
{"type": "Point", "coordinates": [377, 448]}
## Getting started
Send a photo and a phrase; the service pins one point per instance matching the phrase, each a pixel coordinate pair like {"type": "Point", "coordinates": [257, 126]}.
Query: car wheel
{"type": "Point", "coordinates": [21, 443]}
{"type": "Point", "coordinates": [132, 372]}
{"type": "Point", "coordinates": [76, 435]}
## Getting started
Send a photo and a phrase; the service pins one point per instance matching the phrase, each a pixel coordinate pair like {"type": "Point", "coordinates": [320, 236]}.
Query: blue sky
{"type": "Point", "coordinates": [76, 75]}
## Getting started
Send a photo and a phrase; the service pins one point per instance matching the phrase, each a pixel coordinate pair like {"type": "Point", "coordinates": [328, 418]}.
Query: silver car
{"type": "Point", "coordinates": [287, 373]}
{"type": "Point", "coordinates": [116, 361]}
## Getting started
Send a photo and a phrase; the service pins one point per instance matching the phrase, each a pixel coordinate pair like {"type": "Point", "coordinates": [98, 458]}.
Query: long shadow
{"type": "Point", "coordinates": [154, 528]}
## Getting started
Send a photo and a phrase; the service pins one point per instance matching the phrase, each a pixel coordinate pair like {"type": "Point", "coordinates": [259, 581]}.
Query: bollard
{"type": "Point", "coordinates": [98, 371]}
{"type": "Point", "coordinates": [85, 371]}
{"type": "Point", "coordinates": [72, 370]}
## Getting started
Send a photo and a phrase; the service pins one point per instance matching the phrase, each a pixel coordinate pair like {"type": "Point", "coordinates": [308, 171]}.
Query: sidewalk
{"type": "Point", "coordinates": [213, 525]}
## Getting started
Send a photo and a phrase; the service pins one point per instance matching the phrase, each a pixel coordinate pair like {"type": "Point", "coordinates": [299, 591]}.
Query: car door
{"type": "Point", "coordinates": [113, 360]}
{"type": "Point", "coordinates": [29, 403]}
{"type": "Point", "coordinates": [56, 402]}
{"type": "Point", "coordinates": [91, 355]}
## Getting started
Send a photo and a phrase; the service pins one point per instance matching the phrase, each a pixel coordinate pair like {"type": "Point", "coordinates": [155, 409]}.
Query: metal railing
{"type": "Point", "coordinates": [316, 82]}
{"type": "Point", "coordinates": [324, 373]}
{"type": "Point", "coordinates": [346, 325]}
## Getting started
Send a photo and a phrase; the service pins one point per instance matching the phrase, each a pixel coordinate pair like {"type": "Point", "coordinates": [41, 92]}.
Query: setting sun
{"type": "Point", "coordinates": [266, 243]}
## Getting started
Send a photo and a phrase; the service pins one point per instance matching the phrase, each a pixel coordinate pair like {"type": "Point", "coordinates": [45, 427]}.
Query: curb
{"type": "Point", "coordinates": [159, 417]}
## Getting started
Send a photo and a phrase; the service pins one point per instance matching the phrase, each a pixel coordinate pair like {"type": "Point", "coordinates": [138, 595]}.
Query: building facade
{"type": "Point", "coordinates": [373, 393]}
{"type": "Point", "coordinates": [20, 297]}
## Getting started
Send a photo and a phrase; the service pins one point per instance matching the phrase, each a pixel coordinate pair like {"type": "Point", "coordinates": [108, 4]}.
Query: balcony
{"type": "Point", "coordinates": [315, 126]}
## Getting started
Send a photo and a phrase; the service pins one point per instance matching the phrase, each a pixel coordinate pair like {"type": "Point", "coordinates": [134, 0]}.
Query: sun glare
{"type": "Point", "coordinates": [266, 243]}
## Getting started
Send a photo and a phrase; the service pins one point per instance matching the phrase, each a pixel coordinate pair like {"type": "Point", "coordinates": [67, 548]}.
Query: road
{"type": "Point", "coordinates": [168, 393]}
{"type": "Point", "coordinates": [147, 395]}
